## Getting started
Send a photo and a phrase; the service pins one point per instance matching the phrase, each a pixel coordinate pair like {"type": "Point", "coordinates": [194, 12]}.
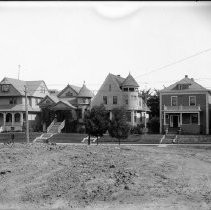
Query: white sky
{"type": "Point", "coordinates": [72, 42]}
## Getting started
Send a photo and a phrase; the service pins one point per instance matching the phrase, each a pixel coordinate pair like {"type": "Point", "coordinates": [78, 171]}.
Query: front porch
{"type": "Point", "coordinates": [187, 119]}
{"type": "Point", "coordinates": [12, 121]}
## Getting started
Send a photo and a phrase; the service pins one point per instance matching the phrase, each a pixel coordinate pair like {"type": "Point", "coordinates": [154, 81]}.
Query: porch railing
{"type": "Point", "coordinates": [61, 126]}
{"type": "Point", "coordinates": [182, 108]}
{"type": "Point", "coordinates": [51, 125]}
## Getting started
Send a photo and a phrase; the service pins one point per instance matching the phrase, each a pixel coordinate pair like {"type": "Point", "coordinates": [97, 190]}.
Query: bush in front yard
{"type": "Point", "coordinates": [137, 129]}
{"type": "Point", "coordinates": [154, 125]}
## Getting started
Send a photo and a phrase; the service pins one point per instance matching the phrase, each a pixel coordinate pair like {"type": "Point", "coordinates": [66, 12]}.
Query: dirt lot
{"type": "Point", "coordinates": [44, 176]}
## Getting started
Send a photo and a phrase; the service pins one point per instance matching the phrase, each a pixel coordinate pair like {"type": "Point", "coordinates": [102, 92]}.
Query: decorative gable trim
{"type": "Point", "coordinates": [44, 100]}
{"type": "Point", "coordinates": [63, 91]}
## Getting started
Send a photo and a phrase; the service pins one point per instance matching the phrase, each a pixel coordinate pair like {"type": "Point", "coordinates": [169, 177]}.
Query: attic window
{"type": "Point", "coordinates": [109, 87]}
{"type": "Point", "coordinates": [42, 90]}
{"type": "Point", "coordinates": [182, 86]}
{"type": "Point", "coordinates": [5, 88]}
{"type": "Point", "coordinates": [69, 93]}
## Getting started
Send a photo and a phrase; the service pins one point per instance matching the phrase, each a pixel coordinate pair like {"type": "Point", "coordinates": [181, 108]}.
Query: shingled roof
{"type": "Point", "coordinates": [19, 85]}
{"type": "Point", "coordinates": [85, 92]}
{"type": "Point", "coordinates": [130, 81]}
{"type": "Point", "coordinates": [192, 86]}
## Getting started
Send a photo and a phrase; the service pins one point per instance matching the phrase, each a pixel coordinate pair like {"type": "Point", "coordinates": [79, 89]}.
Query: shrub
{"type": "Point", "coordinates": [154, 125]}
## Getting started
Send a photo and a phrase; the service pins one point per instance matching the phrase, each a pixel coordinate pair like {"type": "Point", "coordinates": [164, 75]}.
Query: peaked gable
{"type": "Point", "coordinates": [32, 87]}
{"type": "Point", "coordinates": [85, 92]}
{"type": "Point", "coordinates": [109, 86]}
{"type": "Point", "coordinates": [188, 83]}
{"type": "Point", "coordinates": [130, 81]}
{"type": "Point", "coordinates": [48, 100]}
{"type": "Point", "coordinates": [68, 91]}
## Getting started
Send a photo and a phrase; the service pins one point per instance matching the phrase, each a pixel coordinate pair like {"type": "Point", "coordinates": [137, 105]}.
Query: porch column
{"type": "Point", "coordinates": [180, 119]}
{"type": "Point", "coordinates": [4, 119]}
{"type": "Point", "coordinates": [198, 118]}
{"type": "Point", "coordinates": [132, 117]}
{"type": "Point", "coordinates": [13, 119]}
{"type": "Point", "coordinates": [164, 118]}
{"type": "Point", "coordinates": [110, 115]}
{"type": "Point", "coordinates": [21, 118]}
{"type": "Point", "coordinates": [145, 120]}
{"type": "Point", "coordinates": [82, 113]}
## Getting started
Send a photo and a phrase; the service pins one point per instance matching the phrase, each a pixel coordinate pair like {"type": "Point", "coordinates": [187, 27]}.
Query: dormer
{"type": "Point", "coordinates": [182, 86]}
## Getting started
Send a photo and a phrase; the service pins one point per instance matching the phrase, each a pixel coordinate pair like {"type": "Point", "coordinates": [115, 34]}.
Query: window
{"type": "Point", "coordinates": [125, 89]}
{"type": "Point", "coordinates": [30, 101]}
{"type": "Point", "coordinates": [135, 117]}
{"type": "Point", "coordinates": [42, 90]}
{"type": "Point", "coordinates": [114, 99]}
{"type": "Point", "coordinates": [5, 88]}
{"type": "Point", "coordinates": [140, 104]}
{"type": "Point", "coordinates": [84, 100]}
{"type": "Point", "coordinates": [126, 101]}
{"type": "Point", "coordinates": [109, 87]}
{"type": "Point", "coordinates": [13, 101]}
{"type": "Point", "coordinates": [105, 100]}
{"type": "Point", "coordinates": [194, 118]}
{"type": "Point", "coordinates": [37, 101]}
{"type": "Point", "coordinates": [192, 100]}
{"type": "Point", "coordinates": [189, 118]}
{"type": "Point", "coordinates": [17, 117]}
{"type": "Point", "coordinates": [173, 100]}
{"type": "Point", "coordinates": [8, 117]}
{"type": "Point", "coordinates": [182, 86]}
{"type": "Point", "coordinates": [131, 89]}
{"type": "Point", "coordinates": [128, 116]}
{"type": "Point", "coordinates": [69, 94]}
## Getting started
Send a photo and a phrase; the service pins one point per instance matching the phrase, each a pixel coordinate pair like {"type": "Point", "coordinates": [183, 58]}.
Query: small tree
{"type": "Point", "coordinates": [118, 127]}
{"type": "Point", "coordinates": [96, 121]}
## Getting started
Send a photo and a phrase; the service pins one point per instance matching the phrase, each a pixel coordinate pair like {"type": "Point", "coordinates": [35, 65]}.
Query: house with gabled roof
{"type": "Point", "coordinates": [68, 105]}
{"type": "Point", "coordinates": [185, 106]}
{"type": "Point", "coordinates": [12, 102]}
{"type": "Point", "coordinates": [118, 92]}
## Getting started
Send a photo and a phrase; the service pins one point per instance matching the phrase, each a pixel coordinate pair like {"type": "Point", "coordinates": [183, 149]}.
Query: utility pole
{"type": "Point", "coordinates": [26, 109]}
{"type": "Point", "coordinates": [19, 68]}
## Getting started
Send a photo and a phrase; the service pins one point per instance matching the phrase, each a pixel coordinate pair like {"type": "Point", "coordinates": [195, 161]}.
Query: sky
{"type": "Point", "coordinates": [72, 42]}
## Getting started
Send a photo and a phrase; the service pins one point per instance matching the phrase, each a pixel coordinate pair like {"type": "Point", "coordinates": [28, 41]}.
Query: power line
{"type": "Point", "coordinates": [175, 62]}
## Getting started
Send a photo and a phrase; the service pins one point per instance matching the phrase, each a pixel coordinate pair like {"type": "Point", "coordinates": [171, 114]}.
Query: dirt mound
{"type": "Point", "coordinates": [53, 176]}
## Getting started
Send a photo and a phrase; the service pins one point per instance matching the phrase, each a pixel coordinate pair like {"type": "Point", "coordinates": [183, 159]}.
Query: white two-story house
{"type": "Point", "coordinates": [12, 102]}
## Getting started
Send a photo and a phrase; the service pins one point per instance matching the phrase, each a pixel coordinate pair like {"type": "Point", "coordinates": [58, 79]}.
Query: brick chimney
{"type": "Point", "coordinates": [186, 76]}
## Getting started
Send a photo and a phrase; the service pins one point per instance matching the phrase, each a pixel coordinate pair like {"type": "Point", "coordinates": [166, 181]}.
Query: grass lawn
{"type": "Point", "coordinates": [105, 176]}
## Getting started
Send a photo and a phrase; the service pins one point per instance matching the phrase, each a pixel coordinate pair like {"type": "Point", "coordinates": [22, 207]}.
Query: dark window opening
{"type": "Point", "coordinates": [114, 99]}
{"type": "Point", "coordinates": [105, 100]}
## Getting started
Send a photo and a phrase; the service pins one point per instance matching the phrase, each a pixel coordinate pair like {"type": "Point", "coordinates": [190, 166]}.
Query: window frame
{"type": "Point", "coordinates": [116, 101]}
{"type": "Point", "coordinates": [105, 97]}
{"type": "Point", "coordinates": [176, 100]}
{"type": "Point", "coordinates": [190, 100]}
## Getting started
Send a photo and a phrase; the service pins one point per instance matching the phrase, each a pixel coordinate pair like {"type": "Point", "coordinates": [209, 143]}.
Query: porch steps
{"type": "Point", "coordinates": [168, 138]}
{"type": "Point", "coordinates": [55, 128]}
{"type": "Point", "coordinates": [52, 130]}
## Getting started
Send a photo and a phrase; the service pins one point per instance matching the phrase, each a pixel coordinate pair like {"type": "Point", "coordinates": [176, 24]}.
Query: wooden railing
{"type": "Point", "coordinates": [182, 108]}
{"type": "Point", "coordinates": [50, 126]}
{"type": "Point", "coordinates": [61, 126]}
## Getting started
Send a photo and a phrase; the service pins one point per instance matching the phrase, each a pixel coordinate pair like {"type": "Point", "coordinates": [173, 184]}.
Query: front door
{"type": "Point", "coordinates": [174, 121]}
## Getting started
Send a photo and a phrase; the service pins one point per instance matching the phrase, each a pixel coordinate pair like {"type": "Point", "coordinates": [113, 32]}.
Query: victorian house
{"type": "Point", "coordinates": [12, 102]}
{"type": "Point", "coordinates": [118, 92]}
{"type": "Point", "coordinates": [65, 109]}
{"type": "Point", "coordinates": [185, 106]}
